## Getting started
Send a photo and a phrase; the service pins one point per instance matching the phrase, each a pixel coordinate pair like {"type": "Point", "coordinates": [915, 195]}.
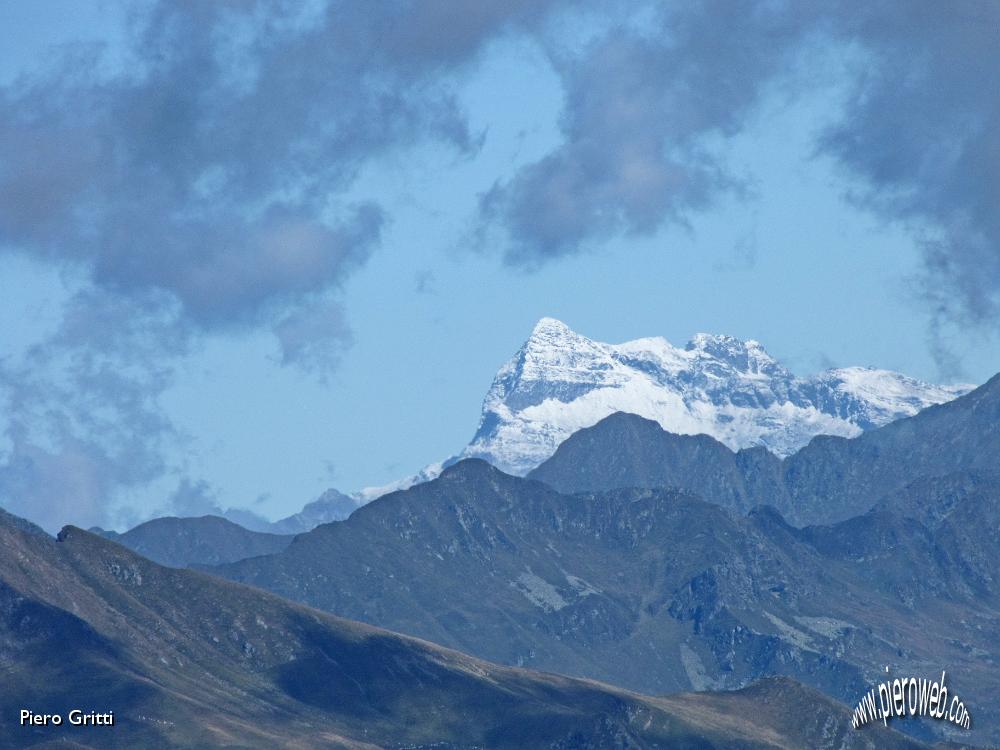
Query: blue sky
{"type": "Point", "coordinates": [222, 287]}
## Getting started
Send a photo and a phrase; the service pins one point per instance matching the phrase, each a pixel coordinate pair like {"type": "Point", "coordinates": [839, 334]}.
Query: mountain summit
{"type": "Point", "coordinates": [560, 382]}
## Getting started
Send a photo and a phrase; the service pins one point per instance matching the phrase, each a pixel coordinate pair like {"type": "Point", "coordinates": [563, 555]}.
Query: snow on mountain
{"type": "Point", "coordinates": [426, 474]}
{"type": "Point", "coordinates": [560, 382]}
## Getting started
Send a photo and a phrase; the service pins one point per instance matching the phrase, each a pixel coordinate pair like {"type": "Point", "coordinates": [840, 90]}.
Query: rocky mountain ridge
{"type": "Point", "coordinates": [655, 589]}
{"type": "Point", "coordinates": [184, 660]}
{"type": "Point", "coordinates": [831, 479]}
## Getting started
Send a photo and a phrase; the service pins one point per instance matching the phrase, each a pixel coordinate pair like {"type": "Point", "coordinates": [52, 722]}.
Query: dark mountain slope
{"type": "Point", "coordinates": [188, 661]}
{"type": "Point", "coordinates": [626, 450]}
{"type": "Point", "coordinates": [936, 536]}
{"type": "Point", "coordinates": [654, 590]}
{"type": "Point", "coordinates": [206, 540]}
{"type": "Point", "coordinates": [930, 499]}
{"type": "Point", "coordinates": [21, 523]}
{"type": "Point", "coordinates": [512, 571]}
{"type": "Point", "coordinates": [835, 478]}
{"type": "Point", "coordinates": [829, 480]}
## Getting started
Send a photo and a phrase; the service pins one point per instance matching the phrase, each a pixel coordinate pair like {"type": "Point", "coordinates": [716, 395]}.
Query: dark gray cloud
{"type": "Point", "coordinates": [640, 103]}
{"type": "Point", "coordinates": [211, 167]}
{"type": "Point", "coordinates": [922, 135]}
{"type": "Point", "coordinates": [210, 170]}
{"type": "Point", "coordinates": [919, 137]}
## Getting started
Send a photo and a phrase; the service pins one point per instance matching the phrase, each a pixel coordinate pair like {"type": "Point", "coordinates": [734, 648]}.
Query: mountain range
{"type": "Point", "coordinates": [659, 591]}
{"type": "Point", "coordinates": [659, 562]}
{"type": "Point", "coordinates": [332, 505]}
{"type": "Point", "coordinates": [829, 530]}
{"type": "Point", "coordinates": [560, 382]}
{"type": "Point", "coordinates": [830, 479]}
{"type": "Point", "coordinates": [184, 660]}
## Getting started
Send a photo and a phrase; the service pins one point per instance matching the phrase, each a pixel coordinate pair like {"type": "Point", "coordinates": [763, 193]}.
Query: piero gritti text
{"type": "Point", "coordinates": [74, 718]}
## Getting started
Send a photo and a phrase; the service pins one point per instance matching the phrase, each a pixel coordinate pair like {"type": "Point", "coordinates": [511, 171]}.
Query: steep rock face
{"type": "Point", "coordinates": [185, 660]}
{"type": "Point", "coordinates": [732, 390]}
{"type": "Point", "coordinates": [655, 590]}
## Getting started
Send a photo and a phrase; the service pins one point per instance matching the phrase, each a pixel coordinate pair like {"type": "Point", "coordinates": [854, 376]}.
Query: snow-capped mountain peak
{"type": "Point", "coordinates": [560, 381]}
{"type": "Point", "coordinates": [553, 346]}
{"type": "Point", "coordinates": [551, 328]}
